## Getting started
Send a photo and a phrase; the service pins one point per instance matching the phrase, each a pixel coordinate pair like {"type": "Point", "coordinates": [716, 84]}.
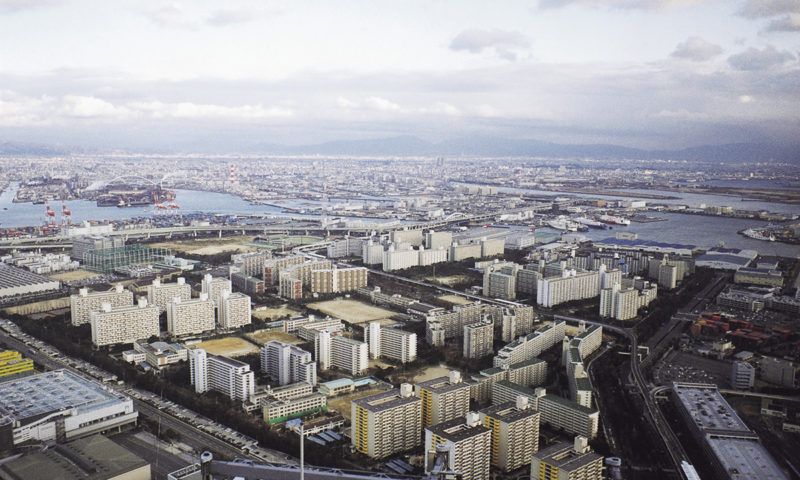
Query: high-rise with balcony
{"type": "Point", "coordinates": [515, 433]}
{"type": "Point", "coordinates": [470, 443]}
{"type": "Point", "coordinates": [443, 398]}
{"type": "Point", "coordinates": [113, 325]}
{"type": "Point", "coordinates": [85, 302]}
{"type": "Point", "coordinates": [386, 423]}
{"type": "Point", "coordinates": [159, 294]}
{"type": "Point", "coordinates": [188, 317]}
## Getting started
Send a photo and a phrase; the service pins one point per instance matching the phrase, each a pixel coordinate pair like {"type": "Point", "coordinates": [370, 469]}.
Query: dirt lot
{"type": "Point", "coordinates": [448, 281]}
{"type": "Point", "coordinates": [432, 372]}
{"type": "Point", "coordinates": [207, 246]}
{"type": "Point", "coordinates": [342, 404]}
{"type": "Point", "coordinates": [274, 313]}
{"type": "Point", "coordinates": [455, 299]}
{"type": "Point", "coordinates": [73, 275]}
{"type": "Point", "coordinates": [263, 336]}
{"type": "Point", "coordinates": [229, 346]}
{"type": "Point", "coordinates": [353, 311]}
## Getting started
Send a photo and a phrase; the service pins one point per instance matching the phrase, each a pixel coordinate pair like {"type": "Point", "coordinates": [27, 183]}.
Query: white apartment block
{"type": "Point", "coordinates": [397, 259]}
{"type": "Point", "coordinates": [273, 267]}
{"type": "Point", "coordinates": [159, 294]}
{"type": "Point", "coordinates": [530, 373]}
{"type": "Point", "coordinates": [463, 252]}
{"type": "Point", "coordinates": [623, 303]}
{"type": "Point", "coordinates": [470, 443]}
{"type": "Point", "coordinates": [214, 287]}
{"type": "Point", "coordinates": [372, 253]}
{"type": "Point", "coordinates": [437, 240]}
{"type": "Point", "coordinates": [234, 311]}
{"type": "Point", "coordinates": [188, 317]}
{"type": "Point", "coordinates": [84, 303]}
{"type": "Point", "coordinates": [453, 322]}
{"type": "Point", "coordinates": [429, 257]}
{"type": "Point", "coordinates": [574, 285]}
{"type": "Point", "coordinates": [113, 325]}
{"type": "Point", "coordinates": [346, 247]}
{"type": "Point", "coordinates": [391, 343]}
{"type": "Point", "coordinates": [251, 263]}
{"type": "Point", "coordinates": [478, 339]}
{"type": "Point", "coordinates": [288, 363]}
{"type": "Point", "coordinates": [413, 237]}
{"type": "Point", "coordinates": [516, 321]}
{"type": "Point", "coordinates": [386, 423]}
{"type": "Point", "coordinates": [346, 354]}
{"type": "Point", "coordinates": [338, 280]}
{"type": "Point", "coordinates": [532, 345]}
{"type": "Point", "coordinates": [443, 398]}
{"type": "Point", "coordinates": [492, 247]}
{"type": "Point", "coordinates": [222, 374]}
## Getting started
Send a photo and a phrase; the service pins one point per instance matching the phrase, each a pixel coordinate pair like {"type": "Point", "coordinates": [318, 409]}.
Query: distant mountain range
{"type": "Point", "coordinates": [477, 147]}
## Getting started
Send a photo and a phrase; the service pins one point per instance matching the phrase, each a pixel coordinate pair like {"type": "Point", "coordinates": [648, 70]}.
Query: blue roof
{"type": "Point", "coordinates": [339, 382]}
{"type": "Point", "coordinates": [364, 381]}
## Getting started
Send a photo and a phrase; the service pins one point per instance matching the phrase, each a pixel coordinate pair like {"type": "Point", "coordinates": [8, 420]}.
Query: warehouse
{"type": "Point", "coordinates": [16, 281]}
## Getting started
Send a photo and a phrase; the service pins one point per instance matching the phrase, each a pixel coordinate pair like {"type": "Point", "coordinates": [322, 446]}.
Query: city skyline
{"type": "Point", "coordinates": [168, 75]}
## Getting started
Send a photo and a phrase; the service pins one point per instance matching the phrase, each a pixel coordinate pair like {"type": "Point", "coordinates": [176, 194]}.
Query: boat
{"type": "Point", "coordinates": [614, 220]}
{"type": "Point", "coordinates": [563, 223]}
{"type": "Point", "coordinates": [759, 234]}
{"type": "Point", "coordinates": [590, 223]}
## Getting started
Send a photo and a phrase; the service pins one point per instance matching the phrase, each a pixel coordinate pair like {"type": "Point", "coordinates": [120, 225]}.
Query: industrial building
{"type": "Point", "coordinates": [515, 433]}
{"type": "Point", "coordinates": [386, 423]}
{"type": "Point", "coordinates": [113, 325]}
{"type": "Point", "coordinates": [16, 281]}
{"type": "Point", "coordinates": [109, 260]}
{"type": "Point", "coordinates": [734, 450]}
{"type": "Point", "coordinates": [60, 406]}
{"type": "Point", "coordinates": [90, 458]}
{"type": "Point", "coordinates": [81, 245]}
{"type": "Point", "coordinates": [443, 398]}
{"type": "Point", "coordinates": [470, 443]}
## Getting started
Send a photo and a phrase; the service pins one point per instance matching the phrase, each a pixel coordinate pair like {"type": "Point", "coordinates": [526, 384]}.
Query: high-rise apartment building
{"type": "Point", "coordinates": [565, 461]}
{"type": "Point", "coordinates": [188, 317]}
{"type": "Point", "coordinates": [214, 287]}
{"type": "Point", "coordinates": [515, 433]}
{"type": "Point", "coordinates": [85, 302]}
{"type": "Point", "coordinates": [470, 443]}
{"type": "Point", "coordinates": [391, 343]}
{"type": "Point", "coordinates": [386, 423]}
{"type": "Point", "coordinates": [222, 374]}
{"type": "Point", "coordinates": [443, 398]}
{"type": "Point", "coordinates": [234, 310]}
{"type": "Point", "coordinates": [479, 339]}
{"type": "Point", "coordinates": [113, 325]}
{"type": "Point", "coordinates": [159, 294]}
{"type": "Point", "coordinates": [288, 363]}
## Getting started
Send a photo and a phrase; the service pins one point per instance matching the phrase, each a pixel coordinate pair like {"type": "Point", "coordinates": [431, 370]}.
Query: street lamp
{"type": "Point", "coordinates": [296, 426]}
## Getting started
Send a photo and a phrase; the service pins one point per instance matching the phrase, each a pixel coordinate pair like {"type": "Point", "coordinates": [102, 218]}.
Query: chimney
{"type": "Point", "coordinates": [522, 402]}
{"type": "Point", "coordinates": [581, 444]}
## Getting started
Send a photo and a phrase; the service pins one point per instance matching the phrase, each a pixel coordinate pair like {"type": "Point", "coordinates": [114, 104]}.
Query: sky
{"type": "Point", "coordinates": [228, 75]}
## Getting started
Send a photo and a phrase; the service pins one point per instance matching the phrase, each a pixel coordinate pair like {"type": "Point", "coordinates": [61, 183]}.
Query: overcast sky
{"type": "Point", "coordinates": [192, 74]}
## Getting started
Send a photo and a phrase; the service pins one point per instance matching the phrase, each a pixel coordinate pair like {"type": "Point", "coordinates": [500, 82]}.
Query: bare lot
{"type": "Point", "coordinates": [229, 346]}
{"type": "Point", "coordinates": [73, 275]}
{"type": "Point", "coordinates": [207, 246]}
{"type": "Point", "coordinates": [355, 312]}
{"type": "Point", "coordinates": [274, 313]}
{"type": "Point", "coordinates": [342, 404]}
{"type": "Point", "coordinates": [455, 299]}
{"type": "Point", "coordinates": [263, 336]}
{"type": "Point", "coordinates": [448, 281]}
{"type": "Point", "coordinates": [432, 372]}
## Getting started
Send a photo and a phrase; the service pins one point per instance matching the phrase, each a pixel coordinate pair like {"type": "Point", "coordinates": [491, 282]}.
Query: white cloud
{"type": "Point", "coordinates": [769, 8]}
{"type": "Point", "coordinates": [623, 4]}
{"type": "Point", "coordinates": [224, 18]}
{"type": "Point", "coordinates": [787, 23]}
{"type": "Point", "coordinates": [346, 103]}
{"type": "Point", "coordinates": [381, 104]}
{"type": "Point", "coordinates": [170, 15]}
{"type": "Point", "coordinates": [505, 44]}
{"type": "Point", "coordinates": [12, 6]}
{"type": "Point", "coordinates": [754, 59]}
{"type": "Point", "coordinates": [697, 50]}
{"type": "Point", "coordinates": [745, 99]}
{"type": "Point", "coordinates": [682, 114]}
{"type": "Point", "coordinates": [90, 107]}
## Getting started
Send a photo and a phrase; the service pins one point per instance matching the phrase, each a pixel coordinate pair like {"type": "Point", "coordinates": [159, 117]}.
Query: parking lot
{"type": "Point", "coordinates": [687, 367]}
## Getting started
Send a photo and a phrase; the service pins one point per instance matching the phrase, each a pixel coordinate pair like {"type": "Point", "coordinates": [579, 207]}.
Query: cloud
{"type": "Point", "coordinates": [170, 15]}
{"type": "Point", "coordinates": [381, 104]}
{"type": "Point", "coordinates": [623, 4]}
{"type": "Point", "coordinates": [769, 8]}
{"type": "Point", "coordinates": [697, 50]}
{"type": "Point", "coordinates": [13, 6]}
{"type": "Point", "coordinates": [754, 59]}
{"type": "Point", "coordinates": [682, 114]}
{"type": "Point", "coordinates": [224, 18]}
{"type": "Point", "coordinates": [787, 23]}
{"type": "Point", "coordinates": [504, 43]}
{"type": "Point", "coordinates": [90, 107]}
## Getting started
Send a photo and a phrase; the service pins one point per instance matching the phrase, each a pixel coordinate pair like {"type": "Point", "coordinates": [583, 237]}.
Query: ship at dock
{"type": "Point", "coordinates": [590, 223]}
{"type": "Point", "coordinates": [614, 220]}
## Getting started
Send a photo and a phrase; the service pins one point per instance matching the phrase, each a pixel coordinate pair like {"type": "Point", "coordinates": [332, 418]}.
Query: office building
{"type": "Point", "coordinates": [734, 450]}
{"type": "Point", "coordinates": [778, 371]}
{"type": "Point", "coordinates": [13, 366]}
{"type": "Point", "coordinates": [59, 406]}
{"type": "Point", "coordinates": [91, 458]}
{"type": "Point", "coordinates": [113, 325]}
{"type": "Point", "coordinates": [288, 364]}
{"type": "Point", "coordinates": [743, 375]}
{"type": "Point", "coordinates": [478, 339]}
{"type": "Point", "coordinates": [85, 302]}
{"type": "Point", "coordinates": [234, 310]}
{"type": "Point", "coordinates": [443, 398]}
{"type": "Point", "coordinates": [222, 374]}
{"type": "Point", "coordinates": [188, 317]}
{"type": "Point", "coordinates": [159, 294]}
{"type": "Point", "coordinates": [567, 461]}
{"type": "Point", "coordinates": [386, 423]}
{"type": "Point", "coordinates": [470, 443]}
{"type": "Point", "coordinates": [515, 433]}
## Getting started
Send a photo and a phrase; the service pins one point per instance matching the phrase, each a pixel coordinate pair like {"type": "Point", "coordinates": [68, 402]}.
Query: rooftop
{"type": "Point", "coordinates": [385, 400]}
{"type": "Point", "coordinates": [745, 458]}
{"type": "Point", "coordinates": [708, 408]}
{"type": "Point", "coordinates": [508, 412]}
{"type": "Point", "coordinates": [457, 429]}
{"type": "Point", "coordinates": [562, 456]}
{"type": "Point", "coordinates": [441, 385]}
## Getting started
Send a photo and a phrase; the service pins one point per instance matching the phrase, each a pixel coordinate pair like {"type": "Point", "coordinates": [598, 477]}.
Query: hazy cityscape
{"type": "Point", "coordinates": [552, 240]}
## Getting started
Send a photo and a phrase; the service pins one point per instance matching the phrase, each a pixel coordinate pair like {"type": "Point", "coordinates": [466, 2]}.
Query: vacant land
{"type": "Point", "coordinates": [429, 373]}
{"type": "Point", "coordinates": [353, 311]}
{"type": "Point", "coordinates": [342, 404]}
{"type": "Point", "coordinates": [455, 299]}
{"type": "Point", "coordinates": [229, 346]}
{"type": "Point", "coordinates": [73, 275]}
{"type": "Point", "coordinates": [275, 313]}
{"type": "Point", "coordinates": [263, 336]}
{"type": "Point", "coordinates": [206, 246]}
{"type": "Point", "coordinates": [449, 281]}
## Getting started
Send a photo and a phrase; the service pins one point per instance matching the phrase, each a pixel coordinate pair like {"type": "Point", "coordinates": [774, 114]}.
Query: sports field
{"type": "Point", "coordinates": [274, 313]}
{"type": "Point", "coordinates": [455, 299]}
{"type": "Point", "coordinates": [73, 275]}
{"type": "Point", "coordinates": [353, 311]}
{"type": "Point", "coordinates": [229, 346]}
{"type": "Point", "coordinates": [343, 404]}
